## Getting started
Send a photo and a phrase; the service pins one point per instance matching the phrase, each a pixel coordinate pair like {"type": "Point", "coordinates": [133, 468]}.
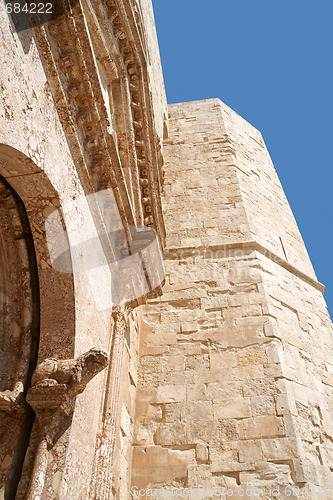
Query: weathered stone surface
{"type": "Point", "coordinates": [225, 380]}
{"type": "Point", "coordinates": [158, 465]}
{"type": "Point", "coordinates": [233, 408]}
{"type": "Point", "coordinates": [239, 298]}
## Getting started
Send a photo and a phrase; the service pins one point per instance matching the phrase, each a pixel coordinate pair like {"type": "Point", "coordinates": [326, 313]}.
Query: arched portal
{"type": "Point", "coordinates": [37, 307]}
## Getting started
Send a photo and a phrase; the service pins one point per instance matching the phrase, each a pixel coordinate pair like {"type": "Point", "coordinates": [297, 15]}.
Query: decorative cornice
{"type": "Point", "coordinates": [99, 155]}
{"type": "Point", "coordinates": [66, 46]}
{"type": "Point", "coordinates": [124, 24]}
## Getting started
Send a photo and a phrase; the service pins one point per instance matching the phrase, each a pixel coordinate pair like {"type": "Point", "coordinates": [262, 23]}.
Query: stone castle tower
{"type": "Point", "coordinates": [210, 378]}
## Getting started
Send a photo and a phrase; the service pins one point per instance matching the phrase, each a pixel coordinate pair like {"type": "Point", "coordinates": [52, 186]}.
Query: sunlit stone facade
{"type": "Point", "coordinates": [162, 328]}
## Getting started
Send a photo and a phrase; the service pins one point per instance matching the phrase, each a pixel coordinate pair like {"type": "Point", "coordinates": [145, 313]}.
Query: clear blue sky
{"type": "Point", "coordinates": [271, 61]}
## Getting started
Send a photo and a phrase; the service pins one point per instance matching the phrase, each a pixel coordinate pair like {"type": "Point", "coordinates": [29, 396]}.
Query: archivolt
{"type": "Point", "coordinates": [37, 314]}
{"type": "Point", "coordinates": [57, 303]}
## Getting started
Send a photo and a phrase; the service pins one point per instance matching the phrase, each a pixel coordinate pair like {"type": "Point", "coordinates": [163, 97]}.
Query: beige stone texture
{"type": "Point", "coordinates": [226, 379]}
{"type": "Point", "coordinates": [248, 383]}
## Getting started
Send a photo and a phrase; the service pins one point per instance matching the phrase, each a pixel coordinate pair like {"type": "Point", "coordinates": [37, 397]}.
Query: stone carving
{"type": "Point", "coordinates": [11, 401]}
{"type": "Point", "coordinates": [55, 385]}
{"type": "Point", "coordinates": [12, 410]}
{"type": "Point", "coordinates": [68, 58]}
{"type": "Point", "coordinates": [56, 382]}
{"type": "Point", "coordinates": [74, 373]}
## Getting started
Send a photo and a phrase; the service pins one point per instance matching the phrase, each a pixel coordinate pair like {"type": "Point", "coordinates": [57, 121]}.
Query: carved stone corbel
{"type": "Point", "coordinates": [55, 385]}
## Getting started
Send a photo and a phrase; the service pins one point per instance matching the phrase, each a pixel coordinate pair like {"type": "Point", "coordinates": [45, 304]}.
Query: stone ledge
{"type": "Point", "coordinates": [172, 253]}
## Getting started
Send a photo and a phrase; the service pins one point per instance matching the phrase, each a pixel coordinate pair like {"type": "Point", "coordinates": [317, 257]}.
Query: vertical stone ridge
{"type": "Point", "coordinates": [101, 486]}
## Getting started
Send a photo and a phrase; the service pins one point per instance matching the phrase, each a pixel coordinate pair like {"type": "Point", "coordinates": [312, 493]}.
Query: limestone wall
{"type": "Point", "coordinates": [235, 376]}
